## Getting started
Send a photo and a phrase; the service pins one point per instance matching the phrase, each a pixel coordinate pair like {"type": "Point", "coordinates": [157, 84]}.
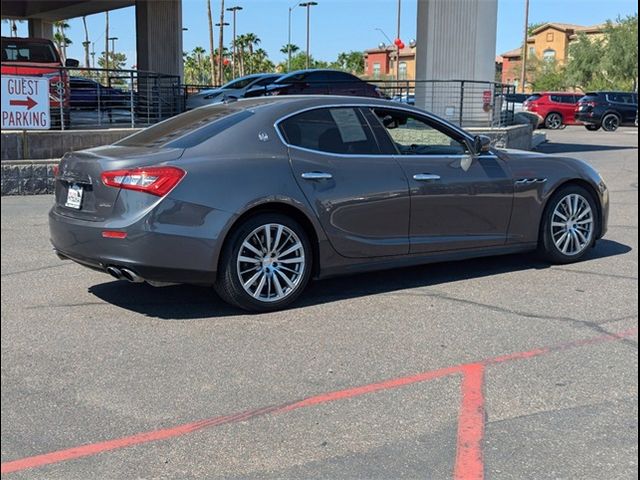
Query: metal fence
{"type": "Point", "coordinates": [467, 103]}
{"type": "Point", "coordinates": [85, 98]}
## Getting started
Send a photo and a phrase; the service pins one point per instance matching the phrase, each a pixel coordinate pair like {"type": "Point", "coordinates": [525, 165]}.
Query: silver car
{"type": "Point", "coordinates": [257, 196]}
{"type": "Point", "coordinates": [235, 89]}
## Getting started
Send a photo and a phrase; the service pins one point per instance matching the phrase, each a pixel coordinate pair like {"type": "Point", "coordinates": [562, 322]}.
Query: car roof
{"type": "Point", "coordinates": [276, 107]}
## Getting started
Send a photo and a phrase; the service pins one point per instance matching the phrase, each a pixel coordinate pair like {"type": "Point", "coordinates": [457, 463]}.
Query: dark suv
{"type": "Point", "coordinates": [608, 110]}
{"type": "Point", "coordinates": [322, 82]}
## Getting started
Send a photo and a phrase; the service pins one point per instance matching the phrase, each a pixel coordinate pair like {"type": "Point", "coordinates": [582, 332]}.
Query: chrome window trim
{"type": "Point", "coordinates": [276, 126]}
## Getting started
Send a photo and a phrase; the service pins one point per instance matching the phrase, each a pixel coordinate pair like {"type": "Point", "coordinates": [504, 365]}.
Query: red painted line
{"type": "Point", "coordinates": [371, 388]}
{"type": "Point", "coordinates": [180, 430]}
{"type": "Point", "coordinates": [469, 455]}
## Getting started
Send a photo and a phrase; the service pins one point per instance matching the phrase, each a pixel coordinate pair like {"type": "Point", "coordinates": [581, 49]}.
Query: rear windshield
{"type": "Point", "coordinates": [188, 129]}
{"type": "Point", "coordinates": [534, 97]}
{"type": "Point", "coordinates": [33, 52]}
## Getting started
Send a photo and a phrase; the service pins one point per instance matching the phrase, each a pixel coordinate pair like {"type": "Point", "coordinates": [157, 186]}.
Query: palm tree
{"type": "Point", "coordinates": [61, 40]}
{"type": "Point", "coordinates": [252, 40]}
{"type": "Point", "coordinates": [289, 47]}
{"type": "Point", "coordinates": [86, 42]}
{"type": "Point", "coordinates": [241, 42]}
{"type": "Point", "coordinates": [211, 57]}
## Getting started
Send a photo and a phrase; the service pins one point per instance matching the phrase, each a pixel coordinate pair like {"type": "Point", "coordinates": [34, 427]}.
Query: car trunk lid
{"type": "Point", "coordinates": [79, 190]}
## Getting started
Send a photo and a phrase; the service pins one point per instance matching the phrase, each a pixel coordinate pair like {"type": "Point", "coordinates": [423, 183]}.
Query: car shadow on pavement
{"type": "Point", "coordinates": [185, 302]}
{"type": "Point", "coordinates": [552, 148]}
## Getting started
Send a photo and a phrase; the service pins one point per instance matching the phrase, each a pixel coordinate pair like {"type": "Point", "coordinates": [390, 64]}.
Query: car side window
{"type": "Point", "coordinates": [414, 136]}
{"type": "Point", "coordinates": [333, 130]}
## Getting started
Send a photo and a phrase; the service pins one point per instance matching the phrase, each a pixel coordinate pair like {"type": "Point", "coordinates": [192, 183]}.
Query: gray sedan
{"type": "Point", "coordinates": [235, 89]}
{"type": "Point", "coordinates": [258, 196]}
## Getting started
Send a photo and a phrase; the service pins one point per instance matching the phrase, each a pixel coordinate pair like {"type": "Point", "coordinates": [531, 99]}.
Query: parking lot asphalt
{"type": "Point", "coordinates": [504, 367]}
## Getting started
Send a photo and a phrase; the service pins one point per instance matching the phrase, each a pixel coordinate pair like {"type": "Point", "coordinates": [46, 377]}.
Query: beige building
{"type": "Point", "coordinates": [547, 42]}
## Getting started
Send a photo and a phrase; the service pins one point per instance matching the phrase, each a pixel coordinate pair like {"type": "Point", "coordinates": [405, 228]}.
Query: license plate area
{"type": "Point", "coordinates": [74, 196]}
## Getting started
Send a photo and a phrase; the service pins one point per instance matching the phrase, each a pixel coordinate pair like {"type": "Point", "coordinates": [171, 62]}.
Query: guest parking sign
{"type": "Point", "coordinates": [25, 103]}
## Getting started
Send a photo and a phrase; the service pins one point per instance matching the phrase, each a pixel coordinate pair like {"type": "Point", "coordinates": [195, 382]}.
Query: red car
{"type": "Point", "coordinates": [38, 57]}
{"type": "Point", "coordinates": [556, 109]}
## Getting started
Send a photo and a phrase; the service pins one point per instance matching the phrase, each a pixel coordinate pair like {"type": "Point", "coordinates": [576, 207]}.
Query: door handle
{"type": "Point", "coordinates": [426, 177]}
{"type": "Point", "coordinates": [317, 176]}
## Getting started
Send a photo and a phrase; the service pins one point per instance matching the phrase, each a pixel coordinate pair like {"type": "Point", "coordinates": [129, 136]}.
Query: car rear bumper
{"type": "Point", "coordinates": [156, 252]}
{"type": "Point", "coordinates": [587, 117]}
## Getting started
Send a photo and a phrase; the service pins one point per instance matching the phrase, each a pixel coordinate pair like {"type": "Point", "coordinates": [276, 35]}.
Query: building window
{"type": "Point", "coordinates": [532, 51]}
{"type": "Point", "coordinates": [403, 71]}
{"type": "Point", "coordinates": [549, 55]}
{"type": "Point", "coordinates": [376, 70]}
{"type": "Point", "coordinates": [550, 37]}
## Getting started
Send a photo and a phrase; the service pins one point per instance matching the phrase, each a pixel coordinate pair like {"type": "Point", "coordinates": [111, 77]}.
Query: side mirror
{"type": "Point", "coordinates": [71, 62]}
{"type": "Point", "coordinates": [481, 144]}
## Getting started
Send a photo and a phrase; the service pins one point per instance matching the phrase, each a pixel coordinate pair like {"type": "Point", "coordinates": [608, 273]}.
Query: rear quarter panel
{"type": "Point", "coordinates": [243, 169]}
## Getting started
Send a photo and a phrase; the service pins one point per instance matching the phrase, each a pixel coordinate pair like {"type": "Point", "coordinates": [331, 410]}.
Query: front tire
{"type": "Point", "coordinates": [569, 225]}
{"type": "Point", "coordinates": [553, 121]}
{"type": "Point", "coordinates": [610, 122]}
{"type": "Point", "coordinates": [266, 263]}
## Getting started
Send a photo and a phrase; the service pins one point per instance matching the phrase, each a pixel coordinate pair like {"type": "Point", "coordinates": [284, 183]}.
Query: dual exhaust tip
{"type": "Point", "coordinates": [124, 274]}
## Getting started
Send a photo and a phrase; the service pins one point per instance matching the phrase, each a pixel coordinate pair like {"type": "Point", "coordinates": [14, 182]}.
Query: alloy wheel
{"type": "Point", "coordinates": [572, 224]}
{"type": "Point", "coordinates": [610, 123]}
{"type": "Point", "coordinates": [271, 262]}
{"type": "Point", "coordinates": [554, 121]}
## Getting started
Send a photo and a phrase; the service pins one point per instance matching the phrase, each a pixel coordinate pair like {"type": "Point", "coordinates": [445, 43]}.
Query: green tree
{"type": "Point", "coordinates": [197, 67]}
{"type": "Point", "coordinates": [533, 26]}
{"type": "Point", "coordinates": [117, 61]}
{"type": "Point", "coordinates": [584, 69]}
{"type": "Point", "coordinates": [620, 60]}
{"type": "Point", "coordinates": [547, 75]}
{"type": "Point", "coordinates": [299, 62]}
{"type": "Point", "coordinates": [285, 49]}
{"type": "Point", "coordinates": [352, 62]}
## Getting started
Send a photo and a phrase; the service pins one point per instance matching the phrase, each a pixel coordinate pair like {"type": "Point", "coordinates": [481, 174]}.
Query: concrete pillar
{"type": "Point", "coordinates": [159, 36]}
{"type": "Point", "coordinates": [40, 28]}
{"type": "Point", "coordinates": [456, 41]}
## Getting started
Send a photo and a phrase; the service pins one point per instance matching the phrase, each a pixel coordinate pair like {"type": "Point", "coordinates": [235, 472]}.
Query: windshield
{"type": "Point", "coordinates": [239, 83]}
{"type": "Point", "coordinates": [170, 130]}
{"type": "Point", "coordinates": [33, 52]}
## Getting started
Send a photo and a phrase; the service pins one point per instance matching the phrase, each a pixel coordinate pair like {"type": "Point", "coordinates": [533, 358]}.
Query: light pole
{"type": "Point", "coordinates": [234, 10]}
{"type": "Point", "coordinates": [221, 52]}
{"type": "Point", "coordinates": [398, 45]}
{"type": "Point", "coordinates": [289, 41]}
{"type": "Point", "coordinates": [308, 6]}
{"type": "Point", "coordinates": [113, 44]}
{"type": "Point", "coordinates": [523, 72]}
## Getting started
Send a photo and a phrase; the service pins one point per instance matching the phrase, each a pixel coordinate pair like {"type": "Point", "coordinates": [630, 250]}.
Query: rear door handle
{"type": "Point", "coordinates": [426, 177]}
{"type": "Point", "coordinates": [317, 176]}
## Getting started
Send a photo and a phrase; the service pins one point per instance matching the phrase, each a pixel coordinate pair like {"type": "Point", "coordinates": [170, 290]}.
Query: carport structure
{"type": "Point", "coordinates": [158, 25]}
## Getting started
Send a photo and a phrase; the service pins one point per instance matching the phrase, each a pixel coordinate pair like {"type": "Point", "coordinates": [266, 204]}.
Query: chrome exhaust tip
{"type": "Point", "coordinates": [131, 276]}
{"type": "Point", "coordinates": [115, 273]}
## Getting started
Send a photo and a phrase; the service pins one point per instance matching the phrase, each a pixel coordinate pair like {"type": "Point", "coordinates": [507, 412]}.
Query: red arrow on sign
{"type": "Point", "coordinates": [29, 103]}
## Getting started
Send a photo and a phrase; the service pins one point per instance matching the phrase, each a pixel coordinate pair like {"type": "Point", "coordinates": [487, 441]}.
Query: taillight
{"type": "Point", "coordinates": [56, 170]}
{"type": "Point", "coordinates": [154, 180]}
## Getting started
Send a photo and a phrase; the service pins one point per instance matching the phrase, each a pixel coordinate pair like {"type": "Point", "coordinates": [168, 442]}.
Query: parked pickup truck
{"type": "Point", "coordinates": [38, 57]}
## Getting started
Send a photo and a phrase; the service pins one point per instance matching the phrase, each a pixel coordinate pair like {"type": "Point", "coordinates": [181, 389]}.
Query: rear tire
{"type": "Point", "coordinates": [266, 263]}
{"type": "Point", "coordinates": [592, 128]}
{"type": "Point", "coordinates": [610, 122]}
{"type": "Point", "coordinates": [553, 121]}
{"type": "Point", "coordinates": [569, 225]}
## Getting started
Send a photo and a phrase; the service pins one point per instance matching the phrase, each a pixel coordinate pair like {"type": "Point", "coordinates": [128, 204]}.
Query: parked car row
{"type": "Point", "coordinates": [606, 110]}
{"type": "Point", "coordinates": [301, 82]}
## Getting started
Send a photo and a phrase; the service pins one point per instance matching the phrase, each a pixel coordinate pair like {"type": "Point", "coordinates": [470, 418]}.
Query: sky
{"type": "Point", "coordinates": [336, 25]}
